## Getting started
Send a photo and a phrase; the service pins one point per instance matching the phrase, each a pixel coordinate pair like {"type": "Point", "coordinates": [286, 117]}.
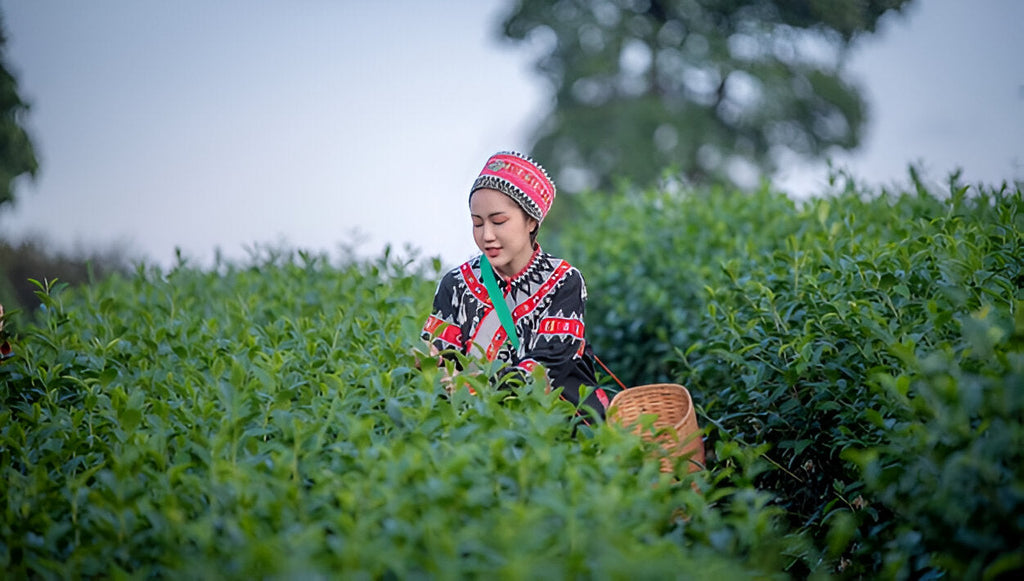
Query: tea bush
{"type": "Point", "coordinates": [856, 358]}
{"type": "Point", "coordinates": [268, 419]}
{"type": "Point", "coordinates": [791, 321]}
{"type": "Point", "coordinates": [952, 465]}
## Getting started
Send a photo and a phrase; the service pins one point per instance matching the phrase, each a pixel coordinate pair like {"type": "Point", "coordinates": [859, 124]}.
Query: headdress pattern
{"type": "Point", "coordinates": [520, 178]}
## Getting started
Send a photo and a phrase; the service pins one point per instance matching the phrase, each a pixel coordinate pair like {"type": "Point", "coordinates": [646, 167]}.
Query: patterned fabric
{"type": "Point", "coordinates": [520, 178]}
{"type": "Point", "coordinates": [547, 301]}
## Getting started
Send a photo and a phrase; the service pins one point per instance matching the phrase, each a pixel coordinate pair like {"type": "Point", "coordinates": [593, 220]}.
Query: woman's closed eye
{"type": "Point", "coordinates": [496, 222]}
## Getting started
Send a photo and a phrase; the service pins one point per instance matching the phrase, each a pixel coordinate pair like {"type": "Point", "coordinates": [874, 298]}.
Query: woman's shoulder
{"type": "Point", "coordinates": [560, 264]}
{"type": "Point", "coordinates": [568, 275]}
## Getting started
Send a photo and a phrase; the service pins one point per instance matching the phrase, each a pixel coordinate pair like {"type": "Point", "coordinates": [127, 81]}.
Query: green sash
{"type": "Point", "coordinates": [504, 315]}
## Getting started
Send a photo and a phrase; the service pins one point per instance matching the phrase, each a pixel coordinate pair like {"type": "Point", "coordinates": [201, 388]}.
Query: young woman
{"type": "Point", "coordinates": [545, 295]}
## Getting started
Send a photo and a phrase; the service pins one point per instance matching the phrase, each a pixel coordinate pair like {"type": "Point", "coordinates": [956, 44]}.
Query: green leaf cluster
{"type": "Point", "coordinates": [856, 359]}
{"type": "Point", "coordinates": [870, 340]}
{"type": "Point", "coordinates": [274, 419]}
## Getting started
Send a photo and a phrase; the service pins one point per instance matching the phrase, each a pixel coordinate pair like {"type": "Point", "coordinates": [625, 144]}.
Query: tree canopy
{"type": "Point", "coordinates": [710, 88]}
{"type": "Point", "coordinates": [17, 155]}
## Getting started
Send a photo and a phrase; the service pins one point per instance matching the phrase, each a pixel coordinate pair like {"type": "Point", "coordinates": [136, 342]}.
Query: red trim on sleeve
{"type": "Point", "coordinates": [451, 334]}
{"type": "Point", "coordinates": [528, 365]}
{"type": "Point", "coordinates": [561, 326]}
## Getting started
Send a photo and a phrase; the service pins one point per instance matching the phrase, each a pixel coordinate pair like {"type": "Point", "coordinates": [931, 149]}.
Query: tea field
{"type": "Point", "coordinates": [857, 361]}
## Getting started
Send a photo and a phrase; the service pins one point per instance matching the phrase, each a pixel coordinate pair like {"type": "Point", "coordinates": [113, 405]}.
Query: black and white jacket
{"type": "Point", "coordinates": [547, 301]}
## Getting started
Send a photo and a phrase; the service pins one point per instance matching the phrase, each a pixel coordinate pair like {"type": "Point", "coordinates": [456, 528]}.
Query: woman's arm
{"type": "Point", "coordinates": [559, 343]}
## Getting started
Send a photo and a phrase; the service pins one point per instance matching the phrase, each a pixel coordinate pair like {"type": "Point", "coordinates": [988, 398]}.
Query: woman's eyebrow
{"type": "Point", "coordinates": [491, 215]}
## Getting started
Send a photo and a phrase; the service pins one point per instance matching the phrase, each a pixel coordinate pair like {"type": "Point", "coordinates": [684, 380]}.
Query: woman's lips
{"type": "Point", "coordinates": [492, 252]}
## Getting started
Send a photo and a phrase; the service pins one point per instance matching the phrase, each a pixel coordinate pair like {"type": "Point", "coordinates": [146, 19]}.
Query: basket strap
{"type": "Point", "coordinates": [498, 301]}
{"type": "Point", "coordinates": [605, 367]}
{"type": "Point", "coordinates": [506, 317]}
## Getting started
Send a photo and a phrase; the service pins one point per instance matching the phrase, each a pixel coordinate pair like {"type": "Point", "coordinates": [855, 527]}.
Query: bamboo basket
{"type": "Point", "coordinates": [672, 405]}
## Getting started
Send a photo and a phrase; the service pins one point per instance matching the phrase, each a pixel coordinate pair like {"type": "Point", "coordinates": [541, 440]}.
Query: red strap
{"type": "Point", "coordinates": [598, 359]}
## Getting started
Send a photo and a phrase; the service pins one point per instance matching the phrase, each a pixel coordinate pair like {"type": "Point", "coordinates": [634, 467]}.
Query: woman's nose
{"type": "Point", "coordinates": [488, 232]}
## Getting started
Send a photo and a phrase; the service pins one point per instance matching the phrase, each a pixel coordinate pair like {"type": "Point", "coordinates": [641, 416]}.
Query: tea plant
{"type": "Point", "coordinates": [856, 359]}
{"type": "Point", "coordinates": [269, 420]}
{"type": "Point", "coordinates": [781, 316]}
{"type": "Point", "coordinates": [953, 463]}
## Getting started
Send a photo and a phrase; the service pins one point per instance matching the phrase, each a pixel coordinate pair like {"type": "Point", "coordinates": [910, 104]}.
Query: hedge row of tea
{"type": "Point", "coordinates": [873, 343]}
{"type": "Point", "coordinates": [269, 420]}
{"type": "Point", "coordinates": [857, 358]}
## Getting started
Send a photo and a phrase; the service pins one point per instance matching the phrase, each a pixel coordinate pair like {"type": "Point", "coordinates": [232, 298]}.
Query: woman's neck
{"type": "Point", "coordinates": [516, 268]}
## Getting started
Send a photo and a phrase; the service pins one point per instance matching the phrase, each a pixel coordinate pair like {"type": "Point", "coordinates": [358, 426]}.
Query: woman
{"type": "Point", "coordinates": [545, 295]}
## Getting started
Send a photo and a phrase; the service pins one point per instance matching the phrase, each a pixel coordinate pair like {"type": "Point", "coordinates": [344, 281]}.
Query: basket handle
{"type": "Point", "coordinates": [605, 367]}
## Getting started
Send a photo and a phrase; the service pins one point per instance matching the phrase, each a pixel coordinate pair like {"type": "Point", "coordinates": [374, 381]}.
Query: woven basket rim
{"type": "Point", "coordinates": [649, 387]}
{"type": "Point", "coordinates": [684, 437]}
{"type": "Point", "coordinates": [632, 402]}
{"type": "Point", "coordinates": [652, 390]}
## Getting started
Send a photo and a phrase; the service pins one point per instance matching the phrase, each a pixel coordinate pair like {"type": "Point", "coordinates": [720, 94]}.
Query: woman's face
{"type": "Point", "coordinates": [501, 230]}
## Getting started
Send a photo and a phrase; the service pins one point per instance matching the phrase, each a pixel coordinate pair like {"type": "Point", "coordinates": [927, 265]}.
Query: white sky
{"type": "Point", "coordinates": [200, 125]}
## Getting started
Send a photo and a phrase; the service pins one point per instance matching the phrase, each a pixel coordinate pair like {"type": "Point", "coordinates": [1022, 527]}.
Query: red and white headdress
{"type": "Point", "coordinates": [520, 178]}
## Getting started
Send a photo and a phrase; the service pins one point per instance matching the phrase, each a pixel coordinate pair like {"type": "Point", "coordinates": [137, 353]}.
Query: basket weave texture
{"type": "Point", "coordinates": [673, 406]}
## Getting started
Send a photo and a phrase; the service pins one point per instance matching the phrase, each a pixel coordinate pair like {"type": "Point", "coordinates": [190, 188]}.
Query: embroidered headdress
{"type": "Point", "coordinates": [520, 178]}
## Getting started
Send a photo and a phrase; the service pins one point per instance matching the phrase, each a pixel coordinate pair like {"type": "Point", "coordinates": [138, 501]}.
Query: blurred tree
{"type": "Point", "coordinates": [34, 258]}
{"type": "Point", "coordinates": [716, 89]}
{"type": "Point", "coordinates": [17, 156]}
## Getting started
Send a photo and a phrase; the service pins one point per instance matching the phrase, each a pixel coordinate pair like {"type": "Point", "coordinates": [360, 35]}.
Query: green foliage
{"type": "Point", "coordinates": [696, 85]}
{"type": "Point", "coordinates": [271, 420]}
{"type": "Point", "coordinates": [857, 360]}
{"type": "Point", "coordinates": [791, 323]}
{"type": "Point", "coordinates": [956, 431]}
{"type": "Point", "coordinates": [31, 259]}
{"type": "Point", "coordinates": [17, 155]}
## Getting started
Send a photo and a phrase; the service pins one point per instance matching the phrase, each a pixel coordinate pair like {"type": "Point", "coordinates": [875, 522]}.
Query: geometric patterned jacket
{"type": "Point", "coordinates": [547, 301]}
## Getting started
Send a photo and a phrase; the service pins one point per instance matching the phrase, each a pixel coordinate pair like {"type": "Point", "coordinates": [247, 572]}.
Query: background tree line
{"type": "Point", "coordinates": [706, 91]}
{"type": "Point", "coordinates": [31, 259]}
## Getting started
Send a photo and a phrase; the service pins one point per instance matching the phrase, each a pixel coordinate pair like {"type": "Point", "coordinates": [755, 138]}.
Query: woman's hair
{"type": "Point", "coordinates": [533, 233]}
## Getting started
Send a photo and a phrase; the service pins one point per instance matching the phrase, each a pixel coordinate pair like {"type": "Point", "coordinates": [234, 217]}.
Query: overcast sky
{"type": "Point", "coordinates": [220, 124]}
